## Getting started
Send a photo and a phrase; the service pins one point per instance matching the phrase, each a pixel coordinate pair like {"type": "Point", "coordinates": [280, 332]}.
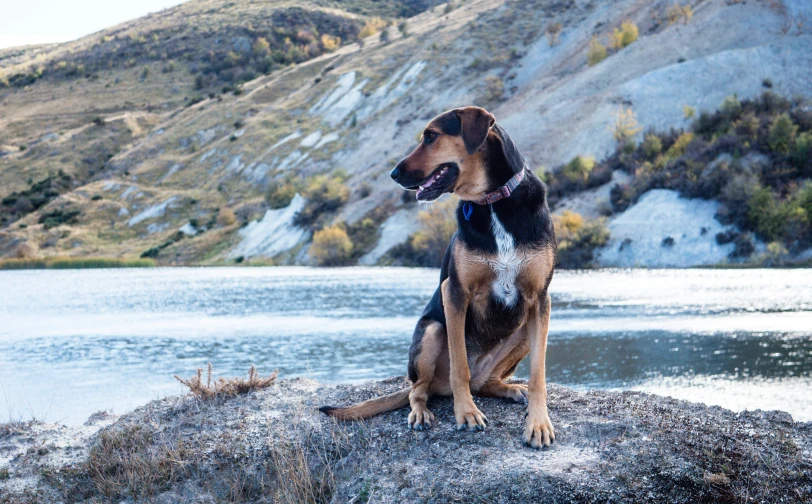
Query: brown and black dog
{"type": "Point", "coordinates": [492, 307]}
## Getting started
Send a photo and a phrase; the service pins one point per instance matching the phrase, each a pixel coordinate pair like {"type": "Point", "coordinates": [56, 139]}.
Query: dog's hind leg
{"type": "Point", "coordinates": [425, 363]}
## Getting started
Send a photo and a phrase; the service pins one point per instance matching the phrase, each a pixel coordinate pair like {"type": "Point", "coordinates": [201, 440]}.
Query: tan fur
{"type": "Point", "coordinates": [372, 407]}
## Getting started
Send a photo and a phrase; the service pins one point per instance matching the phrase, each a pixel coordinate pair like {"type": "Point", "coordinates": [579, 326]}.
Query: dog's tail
{"type": "Point", "coordinates": [369, 408]}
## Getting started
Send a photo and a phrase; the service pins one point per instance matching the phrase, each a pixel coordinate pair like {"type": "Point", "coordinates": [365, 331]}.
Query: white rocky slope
{"type": "Point", "coordinates": [556, 106]}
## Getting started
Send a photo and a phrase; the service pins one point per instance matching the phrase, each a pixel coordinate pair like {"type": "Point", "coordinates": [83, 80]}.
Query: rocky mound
{"type": "Point", "coordinates": [274, 446]}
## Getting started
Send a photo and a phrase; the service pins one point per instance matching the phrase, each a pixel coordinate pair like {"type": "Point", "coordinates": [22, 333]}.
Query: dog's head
{"type": "Point", "coordinates": [462, 151]}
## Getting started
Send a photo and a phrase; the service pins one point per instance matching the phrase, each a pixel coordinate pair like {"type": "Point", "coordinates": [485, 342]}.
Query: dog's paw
{"type": "Point", "coordinates": [517, 392]}
{"type": "Point", "coordinates": [538, 431]}
{"type": "Point", "coordinates": [469, 417]}
{"type": "Point", "coordinates": [420, 418]}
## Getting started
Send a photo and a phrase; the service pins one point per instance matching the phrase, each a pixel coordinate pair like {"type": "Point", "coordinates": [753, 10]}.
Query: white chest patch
{"type": "Point", "coordinates": [506, 265]}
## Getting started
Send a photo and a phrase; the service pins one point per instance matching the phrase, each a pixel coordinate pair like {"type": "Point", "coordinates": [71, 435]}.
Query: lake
{"type": "Point", "coordinates": [73, 342]}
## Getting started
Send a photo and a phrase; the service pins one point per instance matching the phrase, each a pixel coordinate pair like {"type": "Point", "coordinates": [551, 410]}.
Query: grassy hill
{"type": "Point", "coordinates": [185, 135]}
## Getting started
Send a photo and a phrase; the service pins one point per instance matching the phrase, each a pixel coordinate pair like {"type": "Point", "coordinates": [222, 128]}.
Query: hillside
{"type": "Point", "coordinates": [186, 135]}
{"type": "Point", "coordinates": [274, 446]}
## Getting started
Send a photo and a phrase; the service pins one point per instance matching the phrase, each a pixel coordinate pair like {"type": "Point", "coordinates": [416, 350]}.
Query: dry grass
{"type": "Point", "coordinates": [226, 387]}
{"type": "Point", "coordinates": [74, 263]}
{"type": "Point", "coordinates": [133, 461]}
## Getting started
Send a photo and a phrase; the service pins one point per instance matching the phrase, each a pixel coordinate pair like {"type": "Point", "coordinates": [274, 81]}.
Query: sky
{"type": "Point", "coordinates": [43, 21]}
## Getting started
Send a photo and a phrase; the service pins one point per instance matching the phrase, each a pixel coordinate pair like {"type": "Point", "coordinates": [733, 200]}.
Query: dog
{"type": "Point", "coordinates": [492, 307]}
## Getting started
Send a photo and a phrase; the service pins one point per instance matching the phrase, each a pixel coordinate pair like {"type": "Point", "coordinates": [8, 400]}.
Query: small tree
{"type": "Point", "coordinates": [625, 126]}
{"type": "Point", "coordinates": [652, 146]}
{"type": "Point", "coordinates": [596, 52]}
{"type": "Point", "coordinates": [782, 134]}
{"type": "Point", "coordinates": [331, 246]}
{"type": "Point", "coordinates": [403, 28]}
{"type": "Point", "coordinates": [261, 47]}
{"type": "Point", "coordinates": [624, 36]}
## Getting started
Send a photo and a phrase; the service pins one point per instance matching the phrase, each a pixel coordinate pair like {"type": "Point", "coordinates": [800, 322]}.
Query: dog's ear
{"type": "Point", "coordinates": [512, 155]}
{"type": "Point", "coordinates": [475, 123]}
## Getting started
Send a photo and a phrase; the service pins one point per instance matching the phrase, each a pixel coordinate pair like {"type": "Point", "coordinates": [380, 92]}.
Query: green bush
{"type": "Point", "coordinates": [802, 152]}
{"type": "Point", "coordinates": [579, 168]}
{"type": "Point", "coordinates": [652, 146]}
{"type": "Point", "coordinates": [782, 134]}
{"type": "Point", "coordinates": [766, 215]}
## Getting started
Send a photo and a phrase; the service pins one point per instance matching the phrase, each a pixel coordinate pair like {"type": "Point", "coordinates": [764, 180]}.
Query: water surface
{"type": "Point", "coordinates": [75, 342]}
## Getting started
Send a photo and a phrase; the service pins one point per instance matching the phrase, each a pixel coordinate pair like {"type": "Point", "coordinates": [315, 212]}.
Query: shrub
{"type": "Point", "coordinates": [677, 149]}
{"type": "Point", "coordinates": [731, 107]}
{"type": "Point", "coordinates": [625, 126]}
{"type": "Point", "coordinates": [766, 215]}
{"type": "Point", "coordinates": [371, 27]}
{"type": "Point", "coordinates": [596, 52]}
{"type": "Point", "coordinates": [226, 217]}
{"type": "Point", "coordinates": [58, 217]}
{"type": "Point", "coordinates": [624, 36]}
{"type": "Point", "coordinates": [494, 88]}
{"type": "Point", "coordinates": [782, 134]}
{"type": "Point", "coordinates": [437, 226]}
{"type": "Point", "coordinates": [688, 112]}
{"type": "Point", "coordinates": [403, 28]}
{"type": "Point", "coordinates": [279, 194]}
{"type": "Point", "coordinates": [579, 168]}
{"type": "Point", "coordinates": [324, 194]}
{"type": "Point", "coordinates": [330, 43]}
{"type": "Point", "coordinates": [736, 195]}
{"type": "Point", "coordinates": [747, 126]}
{"type": "Point", "coordinates": [384, 36]}
{"type": "Point", "coordinates": [151, 253]}
{"type": "Point", "coordinates": [222, 387]}
{"type": "Point", "coordinates": [577, 239]}
{"type": "Point", "coordinates": [96, 197]}
{"type": "Point", "coordinates": [802, 151]}
{"type": "Point", "coordinates": [331, 246]}
{"type": "Point", "coordinates": [261, 47]}
{"type": "Point", "coordinates": [621, 196]}
{"type": "Point", "coordinates": [652, 146]}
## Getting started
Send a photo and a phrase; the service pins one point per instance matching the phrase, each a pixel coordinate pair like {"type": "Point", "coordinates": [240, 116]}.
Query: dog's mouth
{"type": "Point", "coordinates": [440, 181]}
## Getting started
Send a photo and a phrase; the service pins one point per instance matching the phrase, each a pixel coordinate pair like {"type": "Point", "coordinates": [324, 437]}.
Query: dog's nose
{"type": "Point", "coordinates": [395, 173]}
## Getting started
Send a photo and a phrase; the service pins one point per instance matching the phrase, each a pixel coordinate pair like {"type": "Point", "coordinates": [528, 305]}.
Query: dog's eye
{"type": "Point", "coordinates": [429, 137]}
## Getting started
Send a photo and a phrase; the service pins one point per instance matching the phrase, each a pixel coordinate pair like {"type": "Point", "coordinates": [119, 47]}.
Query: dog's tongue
{"type": "Point", "coordinates": [419, 192]}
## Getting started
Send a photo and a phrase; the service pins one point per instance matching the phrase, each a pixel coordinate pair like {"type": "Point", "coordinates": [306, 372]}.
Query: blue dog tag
{"type": "Point", "coordinates": [467, 211]}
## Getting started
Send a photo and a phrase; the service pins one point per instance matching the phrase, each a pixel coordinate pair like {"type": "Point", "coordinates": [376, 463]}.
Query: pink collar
{"type": "Point", "coordinates": [503, 192]}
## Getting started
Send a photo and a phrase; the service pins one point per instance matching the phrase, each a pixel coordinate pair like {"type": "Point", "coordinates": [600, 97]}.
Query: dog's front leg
{"type": "Point", "coordinates": [455, 305]}
{"type": "Point", "coordinates": [538, 429]}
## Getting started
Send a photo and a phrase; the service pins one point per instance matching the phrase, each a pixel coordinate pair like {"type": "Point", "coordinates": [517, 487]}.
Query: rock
{"type": "Point", "coordinates": [274, 445]}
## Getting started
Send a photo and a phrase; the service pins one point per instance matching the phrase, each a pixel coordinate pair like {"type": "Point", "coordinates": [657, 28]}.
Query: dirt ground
{"type": "Point", "coordinates": [274, 446]}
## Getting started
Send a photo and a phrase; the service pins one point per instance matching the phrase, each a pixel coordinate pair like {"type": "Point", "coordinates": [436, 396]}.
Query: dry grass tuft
{"type": "Point", "coordinates": [226, 387]}
{"type": "Point", "coordinates": [133, 461]}
{"type": "Point", "coordinates": [304, 463]}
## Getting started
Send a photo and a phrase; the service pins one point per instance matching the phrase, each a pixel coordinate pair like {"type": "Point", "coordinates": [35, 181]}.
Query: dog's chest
{"type": "Point", "coordinates": [506, 264]}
